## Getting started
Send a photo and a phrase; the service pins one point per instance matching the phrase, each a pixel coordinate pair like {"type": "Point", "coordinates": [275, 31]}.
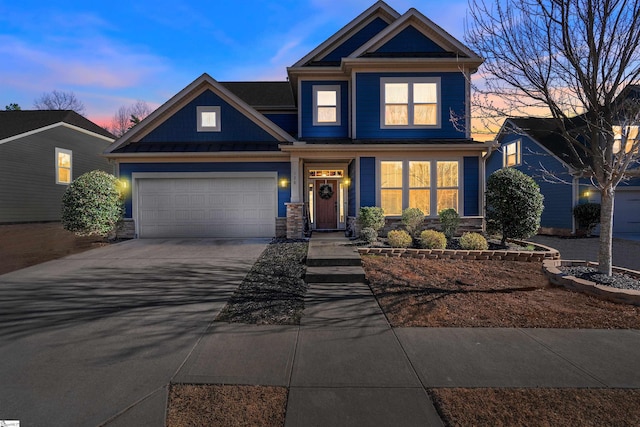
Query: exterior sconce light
{"type": "Point", "coordinates": [283, 183]}
{"type": "Point", "coordinates": [346, 182]}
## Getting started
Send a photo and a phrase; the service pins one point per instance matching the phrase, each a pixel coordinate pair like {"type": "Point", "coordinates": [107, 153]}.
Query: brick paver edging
{"type": "Point", "coordinates": [559, 278]}
{"type": "Point", "coordinates": [546, 253]}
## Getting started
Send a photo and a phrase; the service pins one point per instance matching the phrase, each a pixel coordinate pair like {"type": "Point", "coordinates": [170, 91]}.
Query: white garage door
{"type": "Point", "coordinates": [206, 207]}
{"type": "Point", "coordinates": [626, 218]}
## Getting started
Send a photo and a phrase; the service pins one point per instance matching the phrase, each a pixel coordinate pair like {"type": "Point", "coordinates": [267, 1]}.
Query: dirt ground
{"type": "Point", "coordinates": [508, 294]}
{"type": "Point", "coordinates": [24, 245]}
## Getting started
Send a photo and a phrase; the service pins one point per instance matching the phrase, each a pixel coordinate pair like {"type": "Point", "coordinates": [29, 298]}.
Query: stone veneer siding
{"type": "Point", "coordinates": [281, 227]}
{"type": "Point", "coordinates": [295, 220]}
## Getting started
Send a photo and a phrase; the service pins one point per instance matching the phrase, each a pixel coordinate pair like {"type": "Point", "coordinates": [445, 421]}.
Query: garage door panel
{"type": "Point", "coordinates": [206, 207]}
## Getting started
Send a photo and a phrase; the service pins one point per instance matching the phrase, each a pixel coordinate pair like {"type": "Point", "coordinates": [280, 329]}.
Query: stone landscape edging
{"type": "Point", "coordinates": [560, 278]}
{"type": "Point", "coordinates": [531, 256]}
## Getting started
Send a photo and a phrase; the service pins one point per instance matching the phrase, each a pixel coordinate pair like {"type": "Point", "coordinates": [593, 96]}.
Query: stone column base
{"type": "Point", "coordinates": [295, 220]}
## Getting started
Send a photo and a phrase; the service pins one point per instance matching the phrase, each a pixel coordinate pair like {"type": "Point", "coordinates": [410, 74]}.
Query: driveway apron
{"type": "Point", "coordinates": [84, 338]}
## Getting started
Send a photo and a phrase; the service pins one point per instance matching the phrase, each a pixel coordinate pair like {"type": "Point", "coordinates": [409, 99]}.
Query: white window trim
{"type": "Point", "coordinates": [518, 144]}
{"type": "Point", "coordinates": [410, 80]}
{"type": "Point", "coordinates": [209, 109]}
{"type": "Point", "coordinates": [70, 153]}
{"type": "Point", "coordinates": [433, 188]}
{"type": "Point", "coordinates": [315, 89]}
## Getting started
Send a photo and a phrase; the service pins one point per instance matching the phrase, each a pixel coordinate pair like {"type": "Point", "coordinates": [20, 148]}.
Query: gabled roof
{"type": "Point", "coordinates": [14, 124]}
{"type": "Point", "coordinates": [201, 84]}
{"type": "Point", "coordinates": [263, 95]}
{"type": "Point", "coordinates": [378, 10]}
{"type": "Point", "coordinates": [413, 18]}
{"type": "Point", "coordinates": [547, 133]}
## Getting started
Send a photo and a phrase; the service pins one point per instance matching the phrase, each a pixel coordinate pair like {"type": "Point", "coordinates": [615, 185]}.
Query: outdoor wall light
{"type": "Point", "coordinates": [346, 182]}
{"type": "Point", "coordinates": [284, 183]}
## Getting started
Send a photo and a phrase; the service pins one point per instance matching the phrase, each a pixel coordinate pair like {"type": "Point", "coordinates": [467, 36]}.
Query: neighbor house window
{"type": "Point", "coordinates": [421, 184]}
{"type": "Point", "coordinates": [208, 119]}
{"type": "Point", "coordinates": [326, 105]}
{"type": "Point", "coordinates": [630, 136]}
{"type": "Point", "coordinates": [410, 103]}
{"type": "Point", "coordinates": [511, 154]}
{"type": "Point", "coordinates": [63, 166]}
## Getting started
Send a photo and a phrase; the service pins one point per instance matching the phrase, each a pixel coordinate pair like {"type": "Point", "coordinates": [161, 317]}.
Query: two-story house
{"type": "Point", "coordinates": [377, 115]}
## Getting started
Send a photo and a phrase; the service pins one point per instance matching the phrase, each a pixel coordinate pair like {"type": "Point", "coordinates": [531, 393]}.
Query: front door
{"type": "Point", "coordinates": [327, 204]}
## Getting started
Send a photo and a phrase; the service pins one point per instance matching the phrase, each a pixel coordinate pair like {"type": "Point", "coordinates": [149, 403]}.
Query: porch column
{"type": "Point", "coordinates": [295, 180]}
{"type": "Point", "coordinates": [295, 220]}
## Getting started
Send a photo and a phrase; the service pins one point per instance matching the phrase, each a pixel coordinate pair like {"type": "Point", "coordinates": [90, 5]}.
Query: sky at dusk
{"type": "Point", "coordinates": [112, 53]}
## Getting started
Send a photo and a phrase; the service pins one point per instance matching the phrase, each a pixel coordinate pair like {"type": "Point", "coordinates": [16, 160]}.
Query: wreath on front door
{"type": "Point", "coordinates": [325, 191]}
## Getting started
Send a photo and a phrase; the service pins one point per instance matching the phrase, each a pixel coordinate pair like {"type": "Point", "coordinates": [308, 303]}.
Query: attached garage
{"type": "Point", "coordinates": [626, 218]}
{"type": "Point", "coordinates": [213, 205]}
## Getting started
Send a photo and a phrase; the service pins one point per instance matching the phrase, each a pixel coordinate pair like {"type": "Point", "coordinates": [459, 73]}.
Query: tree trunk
{"type": "Point", "coordinates": [606, 231]}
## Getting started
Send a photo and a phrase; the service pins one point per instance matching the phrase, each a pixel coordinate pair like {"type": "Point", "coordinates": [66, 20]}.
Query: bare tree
{"type": "Point", "coordinates": [128, 116]}
{"type": "Point", "coordinates": [57, 100]}
{"type": "Point", "coordinates": [573, 61]}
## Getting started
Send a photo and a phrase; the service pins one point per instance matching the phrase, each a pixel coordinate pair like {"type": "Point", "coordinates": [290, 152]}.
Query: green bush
{"type": "Point", "coordinates": [432, 239]}
{"type": "Point", "coordinates": [587, 216]}
{"type": "Point", "coordinates": [412, 218]}
{"type": "Point", "coordinates": [92, 204]}
{"type": "Point", "coordinates": [514, 204]}
{"type": "Point", "coordinates": [399, 239]}
{"type": "Point", "coordinates": [450, 221]}
{"type": "Point", "coordinates": [369, 235]}
{"type": "Point", "coordinates": [473, 241]}
{"type": "Point", "coordinates": [371, 216]}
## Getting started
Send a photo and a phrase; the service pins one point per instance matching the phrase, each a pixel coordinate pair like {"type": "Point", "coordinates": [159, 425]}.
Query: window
{"type": "Point", "coordinates": [326, 105]}
{"type": "Point", "coordinates": [409, 184]}
{"type": "Point", "coordinates": [208, 119]}
{"type": "Point", "coordinates": [511, 154]}
{"type": "Point", "coordinates": [410, 103]}
{"type": "Point", "coordinates": [630, 135]}
{"type": "Point", "coordinates": [447, 183]}
{"type": "Point", "coordinates": [63, 166]}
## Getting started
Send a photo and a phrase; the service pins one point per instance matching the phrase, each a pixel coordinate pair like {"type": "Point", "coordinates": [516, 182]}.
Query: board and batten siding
{"type": "Point", "coordinates": [354, 42]}
{"type": "Point", "coordinates": [368, 107]}
{"type": "Point", "coordinates": [367, 181]}
{"type": "Point", "coordinates": [410, 40]}
{"type": "Point", "coordinates": [29, 192]}
{"type": "Point", "coordinates": [282, 168]}
{"type": "Point", "coordinates": [471, 186]}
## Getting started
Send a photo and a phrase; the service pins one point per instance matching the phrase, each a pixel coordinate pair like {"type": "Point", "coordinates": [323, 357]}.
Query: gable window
{"type": "Point", "coordinates": [421, 184]}
{"type": "Point", "coordinates": [630, 136]}
{"type": "Point", "coordinates": [326, 105]}
{"type": "Point", "coordinates": [208, 119]}
{"type": "Point", "coordinates": [410, 103]}
{"type": "Point", "coordinates": [511, 154]}
{"type": "Point", "coordinates": [63, 166]}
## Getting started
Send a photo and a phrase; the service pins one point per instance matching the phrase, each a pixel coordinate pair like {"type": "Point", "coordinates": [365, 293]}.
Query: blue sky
{"type": "Point", "coordinates": [112, 53]}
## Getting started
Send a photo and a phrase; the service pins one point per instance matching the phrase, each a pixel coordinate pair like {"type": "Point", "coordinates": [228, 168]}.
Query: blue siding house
{"type": "Point", "coordinates": [363, 120]}
{"type": "Point", "coordinates": [535, 147]}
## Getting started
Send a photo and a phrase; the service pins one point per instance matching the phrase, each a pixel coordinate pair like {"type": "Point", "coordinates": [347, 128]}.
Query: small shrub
{"type": "Point", "coordinates": [450, 221]}
{"type": "Point", "coordinates": [587, 216]}
{"type": "Point", "coordinates": [371, 217]}
{"type": "Point", "coordinates": [92, 204]}
{"type": "Point", "coordinates": [412, 218]}
{"type": "Point", "coordinates": [473, 241]}
{"type": "Point", "coordinates": [369, 235]}
{"type": "Point", "coordinates": [514, 204]}
{"type": "Point", "coordinates": [399, 239]}
{"type": "Point", "coordinates": [432, 239]}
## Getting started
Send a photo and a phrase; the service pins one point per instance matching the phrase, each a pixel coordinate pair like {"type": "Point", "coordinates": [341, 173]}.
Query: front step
{"type": "Point", "coordinates": [335, 274]}
{"type": "Point", "coordinates": [332, 261]}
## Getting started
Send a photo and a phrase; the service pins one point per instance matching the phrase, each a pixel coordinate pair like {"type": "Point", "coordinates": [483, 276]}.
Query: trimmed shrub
{"type": "Point", "coordinates": [450, 221]}
{"type": "Point", "coordinates": [514, 204]}
{"type": "Point", "coordinates": [399, 239]}
{"type": "Point", "coordinates": [473, 241]}
{"type": "Point", "coordinates": [369, 235]}
{"type": "Point", "coordinates": [413, 218]}
{"type": "Point", "coordinates": [372, 217]}
{"type": "Point", "coordinates": [432, 239]}
{"type": "Point", "coordinates": [587, 216]}
{"type": "Point", "coordinates": [92, 205]}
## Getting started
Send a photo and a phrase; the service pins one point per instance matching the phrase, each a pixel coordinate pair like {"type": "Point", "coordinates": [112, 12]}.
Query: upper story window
{"type": "Point", "coordinates": [511, 154]}
{"type": "Point", "coordinates": [208, 119]}
{"type": "Point", "coordinates": [63, 166]}
{"type": "Point", "coordinates": [410, 102]}
{"type": "Point", "coordinates": [628, 133]}
{"type": "Point", "coordinates": [326, 105]}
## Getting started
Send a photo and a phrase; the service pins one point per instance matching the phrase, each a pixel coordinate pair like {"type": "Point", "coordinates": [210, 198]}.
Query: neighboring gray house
{"type": "Point", "coordinates": [41, 152]}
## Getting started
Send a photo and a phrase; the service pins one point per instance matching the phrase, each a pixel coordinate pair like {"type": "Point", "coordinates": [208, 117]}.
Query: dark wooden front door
{"type": "Point", "coordinates": [326, 204]}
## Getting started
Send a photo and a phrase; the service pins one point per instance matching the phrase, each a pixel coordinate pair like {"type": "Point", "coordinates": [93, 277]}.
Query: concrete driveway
{"type": "Point", "coordinates": [94, 338]}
